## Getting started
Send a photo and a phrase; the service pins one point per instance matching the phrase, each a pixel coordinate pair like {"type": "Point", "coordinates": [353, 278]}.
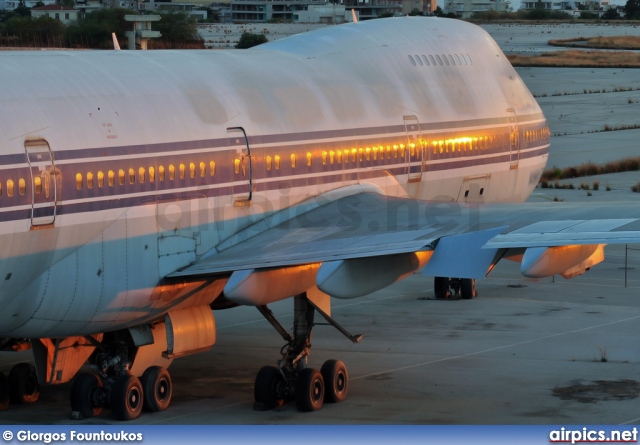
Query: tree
{"type": "Point", "coordinates": [611, 14]}
{"type": "Point", "coordinates": [249, 39]}
{"type": "Point", "coordinates": [22, 10]}
{"type": "Point", "coordinates": [632, 10]}
{"type": "Point", "coordinates": [177, 27]}
{"type": "Point", "coordinates": [95, 28]}
{"type": "Point", "coordinates": [586, 15]}
{"type": "Point", "coordinates": [415, 11]}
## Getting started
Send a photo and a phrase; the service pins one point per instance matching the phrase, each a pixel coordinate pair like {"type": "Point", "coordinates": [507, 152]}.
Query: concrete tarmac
{"type": "Point", "coordinates": [525, 352]}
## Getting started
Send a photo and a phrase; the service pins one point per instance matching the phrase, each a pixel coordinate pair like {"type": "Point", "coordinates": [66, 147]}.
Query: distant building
{"type": "Point", "coordinates": [13, 4]}
{"type": "Point", "coordinates": [329, 13]}
{"type": "Point", "coordinates": [371, 9]}
{"type": "Point", "coordinates": [548, 5]}
{"type": "Point", "coordinates": [466, 8]}
{"type": "Point", "coordinates": [571, 7]}
{"type": "Point", "coordinates": [246, 11]}
{"type": "Point", "coordinates": [64, 14]}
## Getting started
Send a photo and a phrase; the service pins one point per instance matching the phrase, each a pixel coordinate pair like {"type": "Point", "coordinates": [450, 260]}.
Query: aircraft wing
{"type": "Point", "coordinates": [368, 234]}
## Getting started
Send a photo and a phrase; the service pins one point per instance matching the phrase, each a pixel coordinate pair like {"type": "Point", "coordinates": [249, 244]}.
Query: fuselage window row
{"type": "Point", "coordinates": [442, 60]}
{"type": "Point", "coordinates": [130, 174]}
{"type": "Point", "coordinates": [388, 154]}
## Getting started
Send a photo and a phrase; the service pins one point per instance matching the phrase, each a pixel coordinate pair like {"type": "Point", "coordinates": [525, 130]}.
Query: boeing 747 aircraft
{"type": "Point", "coordinates": [142, 191]}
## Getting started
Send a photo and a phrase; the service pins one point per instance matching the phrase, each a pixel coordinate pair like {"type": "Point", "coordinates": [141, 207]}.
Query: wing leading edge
{"type": "Point", "coordinates": [377, 240]}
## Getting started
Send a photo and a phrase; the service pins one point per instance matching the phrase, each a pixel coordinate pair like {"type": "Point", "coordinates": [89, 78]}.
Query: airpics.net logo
{"type": "Point", "coordinates": [71, 436]}
{"type": "Point", "coordinates": [587, 435]}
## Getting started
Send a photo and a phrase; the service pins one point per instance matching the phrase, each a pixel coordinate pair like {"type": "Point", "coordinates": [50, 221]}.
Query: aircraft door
{"type": "Point", "coordinates": [514, 139]}
{"type": "Point", "coordinates": [414, 151]}
{"type": "Point", "coordinates": [46, 183]}
{"type": "Point", "coordinates": [243, 179]}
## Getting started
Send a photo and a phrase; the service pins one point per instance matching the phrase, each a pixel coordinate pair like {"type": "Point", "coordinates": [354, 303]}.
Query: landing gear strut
{"type": "Point", "coordinates": [445, 287]}
{"type": "Point", "coordinates": [292, 379]}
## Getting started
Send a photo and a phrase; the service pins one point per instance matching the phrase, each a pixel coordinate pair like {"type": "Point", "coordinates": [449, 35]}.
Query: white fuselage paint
{"type": "Point", "coordinates": [354, 89]}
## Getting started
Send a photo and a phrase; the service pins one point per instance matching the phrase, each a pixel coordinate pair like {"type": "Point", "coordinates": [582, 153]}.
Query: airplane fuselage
{"type": "Point", "coordinates": [118, 168]}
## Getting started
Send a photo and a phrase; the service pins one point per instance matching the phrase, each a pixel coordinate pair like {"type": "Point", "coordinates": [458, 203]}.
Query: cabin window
{"type": "Point", "coordinates": [268, 161]}
{"type": "Point", "coordinates": [121, 177]}
{"type": "Point", "coordinates": [10, 187]}
{"type": "Point", "coordinates": [375, 153]}
{"type": "Point", "coordinates": [37, 184]}
{"type": "Point", "coordinates": [309, 159]}
{"type": "Point", "coordinates": [426, 61]}
{"type": "Point", "coordinates": [354, 154]}
{"type": "Point", "coordinates": [0, 188]}
{"type": "Point", "coordinates": [90, 180]}
{"type": "Point", "coordinates": [293, 160]}
{"type": "Point", "coordinates": [419, 60]}
{"type": "Point", "coordinates": [276, 160]}
{"type": "Point", "coordinates": [339, 153]}
{"type": "Point", "coordinates": [203, 169]}
{"type": "Point", "coordinates": [141, 175]}
{"type": "Point", "coordinates": [236, 165]}
{"type": "Point", "coordinates": [212, 168]}
{"type": "Point", "coordinates": [413, 62]}
{"type": "Point", "coordinates": [22, 186]}
{"type": "Point", "coordinates": [111, 178]}
{"type": "Point", "coordinates": [183, 170]}
{"type": "Point", "coordinates": [172, 172]}
{"type": "Point", "coordinates": [324, 158]}
{"type": "Point", "coordinates": [332, 156]}
{"type": "Point", "coordinates": [152, 175]}
{"type": "Point", "coordinates": [161, 172]}
{"type": "Point", "coordinates": [413, 149]}
{"type": "Point", "coordinates": [100, 179]}
{"type": "Point", "coordinates": [360, 154]}
{"type": "Point", "coordinates": [78, 181]}
{"type": "Point", "coordinates": [192, 170]}
{"type": "Point", "coordinates": [368, 153]}
{"type": "Point", "coordinates": [132, 176]}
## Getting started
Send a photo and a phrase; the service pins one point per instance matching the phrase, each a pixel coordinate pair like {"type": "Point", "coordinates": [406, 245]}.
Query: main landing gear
{"type": "Point", "coordinates": [113, 386]}
{"type": "Point", "coordinates": [445, 287]}
{"type": "Point", "coordinates": [292, 379]}
{"type": "Point", "coordinates": [21, 386]}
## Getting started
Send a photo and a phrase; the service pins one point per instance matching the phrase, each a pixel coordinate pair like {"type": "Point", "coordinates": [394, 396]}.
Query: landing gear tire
{"type": "Point", "coordinates": [5, 392]}
{"type": "Point", "coordinates": [23, 383]}
{"type": "Point", "coordinates": [126, 397]}
{"type": "Point", "coordinates": [441, 287]}
{"type": "Point", "coordinates": [266, 390]}
{"type": "Point", "coordinates": [468, 288]}
{"type": "Point", "coordinates": [309, 390]}
{"type": "Point", "coordinates": [85, 395]}
{"type": "Point", "coordinates": [157, 388]}
{"type": "Point", "coordinates": [336, 381]}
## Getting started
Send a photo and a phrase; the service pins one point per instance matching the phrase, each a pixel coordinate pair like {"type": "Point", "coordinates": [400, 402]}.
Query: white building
{"type": "Point", "coordinates": [466, 8]}
{"type": "Point", "coordinates": [328, 13]}
{"type": "Point", "coordinates": [64, 14]}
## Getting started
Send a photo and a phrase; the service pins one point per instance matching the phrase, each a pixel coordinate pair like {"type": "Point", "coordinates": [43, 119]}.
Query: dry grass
{"type": "Point", "coordinates": [614, 42]}
{"type": "Point", "coordinates": [579, 59]}
{"type": "Point", "coordinates": [590, 169]}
